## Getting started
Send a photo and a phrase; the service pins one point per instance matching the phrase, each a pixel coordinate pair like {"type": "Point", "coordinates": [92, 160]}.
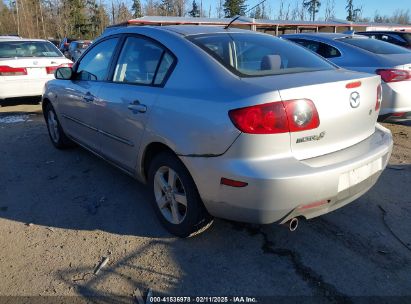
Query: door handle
{"type": "Point", "coordinates": [137, 107]}
{"type": "Point", "coordinates": [88, 97]}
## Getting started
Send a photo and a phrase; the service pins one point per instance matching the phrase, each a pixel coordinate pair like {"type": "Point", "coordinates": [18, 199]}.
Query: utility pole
{"type": "Point", "coordinates": [18, 21]}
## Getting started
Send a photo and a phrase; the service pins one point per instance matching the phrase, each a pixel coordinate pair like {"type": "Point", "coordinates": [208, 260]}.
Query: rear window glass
{"type": "Point", "coordinates": [83, 45]}
{"type": "Point", "coordinates": [259, 55]}
{"type": "Point", "coordinates": [12, 49]}
{"type": "Point", "coordinates": [406, 37]}
{"type": "Point", "coordinates": [375, 46]}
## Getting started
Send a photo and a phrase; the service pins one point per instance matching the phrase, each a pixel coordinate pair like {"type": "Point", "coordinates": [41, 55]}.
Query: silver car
{"type": "Point", "coordinates": [363, 54]}
{"type": "Point", "coordinates": [222, 123]}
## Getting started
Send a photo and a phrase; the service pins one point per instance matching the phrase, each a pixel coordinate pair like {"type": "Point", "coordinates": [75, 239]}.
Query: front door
{"type": "Point", "coordinates": [78, 99]}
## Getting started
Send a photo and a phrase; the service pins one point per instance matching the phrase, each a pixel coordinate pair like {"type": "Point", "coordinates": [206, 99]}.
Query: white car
{"type": "Point", "coordinates": [25, 67]}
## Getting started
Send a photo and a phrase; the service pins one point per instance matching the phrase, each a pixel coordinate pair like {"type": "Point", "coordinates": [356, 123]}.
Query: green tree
{"type": "Point", "coordinates": [195, 12]}
{"type": "Point", "coordinates": [312, 6]}
{"type": "Point", "coordinates": [167, 8]}
{"type": "Point", "coordinates": [234, 7]}
{"type": "Point", "coordinates": [76, 21]}
{"type": "Point", "coordinates": [353, 14]}
{"type": "Point", "coordinates": [136, 9]}
{"type": "Point", "coordinates": [350, 10]}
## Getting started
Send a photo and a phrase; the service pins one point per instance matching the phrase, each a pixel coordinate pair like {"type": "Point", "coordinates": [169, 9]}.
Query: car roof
{"type": "Point", "coordinates": [187, 30]}
{"type": "Point", "coordinates": [385, 32]}
{"type": "Point", "coordinates": [184, 30]}
{"type": "Point", "coordinates": [22, 40]}
{"type": "Point", "coordinates": [330, 36]}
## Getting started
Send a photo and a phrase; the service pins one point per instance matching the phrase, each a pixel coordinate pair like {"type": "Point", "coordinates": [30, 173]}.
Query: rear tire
{"type": "Point", "coordinates": [175, 197]}
{"type": "Point", "coordinates": [56, 133]}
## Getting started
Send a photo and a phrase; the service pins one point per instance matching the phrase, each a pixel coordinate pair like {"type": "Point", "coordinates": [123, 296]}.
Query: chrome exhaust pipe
{"type": "Point", "coordinates": [293, 224]}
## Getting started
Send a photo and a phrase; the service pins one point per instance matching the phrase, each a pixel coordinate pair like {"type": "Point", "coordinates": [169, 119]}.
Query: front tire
{"type": "Point", "coordinates": [176, 200]}
{"type": "Point", "coordinates": [56, 133]}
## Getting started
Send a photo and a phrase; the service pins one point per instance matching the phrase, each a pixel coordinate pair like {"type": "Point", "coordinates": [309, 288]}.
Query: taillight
{"type": "Point", "coordinates": [394, 75]}
{"type": "Point", "coordinates": [276, 117]}
{"type": "Point", "coordinates": [379, 98]}
{"type": "Point", "coordinates": [52, 69]}
{"type": "Point", "coordinates": [302, 115]}
{"type": "Point", "coordinates": [9, 71]}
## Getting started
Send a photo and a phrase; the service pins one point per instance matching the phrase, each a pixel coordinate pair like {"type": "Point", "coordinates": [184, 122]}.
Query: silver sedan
{"type": "Point", "coordinates": [222, 123]}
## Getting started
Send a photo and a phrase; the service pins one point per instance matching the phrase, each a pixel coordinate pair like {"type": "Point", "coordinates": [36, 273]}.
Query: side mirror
{"type": "Point", "coordinates": [64, 73]}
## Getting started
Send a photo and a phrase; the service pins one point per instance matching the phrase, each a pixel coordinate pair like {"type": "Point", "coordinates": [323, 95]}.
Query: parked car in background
{"type": "Point", "coordinates": [395, 37]}
{"type": "Point", "coordinates": [25, 66]}
{"type": "Point", "coordinates": [64, 45]}
{"type": "Point", "coordinates": [76, 48]}
{"type": "Point", "coordinates": [228, 123]}
{"type": "Point", "coordinates": [55, 42]}
{"type": "Point", "coordinates": [9, 37]}
{"type": "Point", "coordinates": [360, 53]}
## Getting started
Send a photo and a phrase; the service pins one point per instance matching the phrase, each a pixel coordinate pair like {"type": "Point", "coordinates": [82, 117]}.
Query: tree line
{"type": "Point", "coordinates": [87, 19]}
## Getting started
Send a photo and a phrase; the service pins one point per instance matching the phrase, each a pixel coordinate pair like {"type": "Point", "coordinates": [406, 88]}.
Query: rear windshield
{"type": "Point", "coordinates": [406, 37]}
{"type": "Point", "coordinates": [375, 46]}
{"type": "Point", "coordinates": [12, 49]}
{"type": "Point", "coordinates": [259, 55]}
{"type": "Point", "coordinates": [83, 45]}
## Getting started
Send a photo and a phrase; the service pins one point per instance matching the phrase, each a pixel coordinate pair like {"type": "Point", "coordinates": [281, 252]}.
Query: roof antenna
{"type": "Point", "coordinates": [239, 16]}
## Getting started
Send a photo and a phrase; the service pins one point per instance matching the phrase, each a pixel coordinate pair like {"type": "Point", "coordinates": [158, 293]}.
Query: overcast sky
{"type": "Point", "coordinates": [384, 7]}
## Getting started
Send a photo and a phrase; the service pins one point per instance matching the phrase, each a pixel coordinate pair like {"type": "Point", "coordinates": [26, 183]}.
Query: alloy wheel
{"type": "Point", "coordinates": [170, 195]}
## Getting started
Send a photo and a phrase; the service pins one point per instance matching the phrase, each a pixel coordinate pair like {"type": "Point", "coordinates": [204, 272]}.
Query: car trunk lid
{"type": "Point", "coordinates": [343, 121]}
{"type": "Point", "coordinates": [347, 115]}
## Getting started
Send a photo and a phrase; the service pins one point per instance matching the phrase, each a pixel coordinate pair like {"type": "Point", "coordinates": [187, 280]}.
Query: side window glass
{"type": "Point", "coordinates": [328, 51]}
{"type": "Point", "coordinates": [140, 61]}
{"type": "Point", "coordinates": [311, 45]}
{"type": "Point", "coordinates": [165, 66]}
{"type": "Point", "coordinates": [95, 65]}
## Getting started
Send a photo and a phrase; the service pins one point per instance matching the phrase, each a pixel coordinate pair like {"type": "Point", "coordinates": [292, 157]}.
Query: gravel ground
{"type": "Point", "coordinates": [62, 212]}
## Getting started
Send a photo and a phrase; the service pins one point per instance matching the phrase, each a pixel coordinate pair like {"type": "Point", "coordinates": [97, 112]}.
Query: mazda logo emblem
{"type": "Point", "coordinates": [355, 100]}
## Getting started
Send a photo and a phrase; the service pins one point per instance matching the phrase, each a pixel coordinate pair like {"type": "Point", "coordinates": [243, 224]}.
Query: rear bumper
{"type": "Point", "coordinates": [278, 189]}
{"type": "Point", "coordinates": [22, 88]}
{"type": "Point", "coordinates": [396, 97]}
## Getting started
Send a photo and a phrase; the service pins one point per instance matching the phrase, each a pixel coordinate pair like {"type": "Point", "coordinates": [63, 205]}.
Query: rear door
{"type": "Point", "coordinates": [78, 99]}
{"type": "Point", "coordinates": [126, 102]}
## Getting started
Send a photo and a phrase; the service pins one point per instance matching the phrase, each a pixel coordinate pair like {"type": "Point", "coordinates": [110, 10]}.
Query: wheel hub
{"type": "Point", "coordinates": [169, 193]}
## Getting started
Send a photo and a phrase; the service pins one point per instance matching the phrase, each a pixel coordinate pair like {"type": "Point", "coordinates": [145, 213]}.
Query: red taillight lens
{"type": "Point", "coordinates": [379, 98]}
{"type": "Point", "coordinates": [276, 117]}
{"type": "Point", "coordinates": [394, 75]}
{"type": "Point", "coordinates": [52, 69]}
{"type": "Point", "coordinates": [9, 71]}
{"type": "Point", "coordinates": [267, 118]}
